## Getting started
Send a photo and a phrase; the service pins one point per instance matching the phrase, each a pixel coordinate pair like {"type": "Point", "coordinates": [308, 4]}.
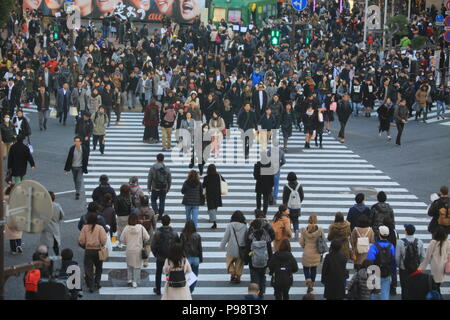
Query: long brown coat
{"type": "Point", "coordinates": [354, 239]}
{"type": "Point", "coordinates": [341, 231]}
{"type": "Point", "coordinates": [422, 98]}
{"type": "Point", "coordinates": [282, 229]}
{"type": "Point", "coordinates": [308, 241]}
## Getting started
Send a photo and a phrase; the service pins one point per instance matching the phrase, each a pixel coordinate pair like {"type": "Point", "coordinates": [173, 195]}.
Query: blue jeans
{"type": "Point", "coordinates": [162, 199]}
{"type": "Point", "coordinates": [310, 273]}
{"type": "Point", "coordinates": [276, 186]}
{"type": "Point", "coordinates": [385, 290]}
{"type": "Point", "coordinates": [440, 105]}
{"type": "Point", "coordinates": [195, 263]}
{"type": "Point", "coordinates": [356, 108]}
{"type": "Point", "coordinates": [192, 214]}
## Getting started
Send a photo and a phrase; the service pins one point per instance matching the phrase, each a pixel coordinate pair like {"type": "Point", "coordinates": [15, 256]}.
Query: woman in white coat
{"type": "Point", "coordinates": [51, 236]}
{"type": "Point", "coordinates": [438, 253]}
{"type": "Point", "coordinates": [134, 236]}
{"type": "Point", "coordinates": [176, 262]}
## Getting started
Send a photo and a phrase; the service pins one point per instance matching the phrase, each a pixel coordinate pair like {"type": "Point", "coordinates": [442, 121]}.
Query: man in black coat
{"type": "Point", "coordinates": [443, 203]}
{"type": "Point", "coordinates": [12, 96]}
{"type": "Point", "coordinates": [43, 106]}
{"type": "Point", "coordinates": [344, 110]}
{"type": "Point", "coordinates": [84, 129]}
{"type": "Point", "coordinates": [77, 161]}
{"type": "Point", "coordinates": [19, 156]}
{"type": "Point", "coordinates": [260, 100]}
{"type": "Point", "coordinates": [264, 183]}
{"type": "Point", "coordinates": [246, 122]}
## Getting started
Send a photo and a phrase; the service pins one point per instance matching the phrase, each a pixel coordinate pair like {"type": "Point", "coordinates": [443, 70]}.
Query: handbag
{"type": "Point", "coordinates": [223, 186]}
{"type": "Point", "coordinates": [53, 113]}
{"type": "Point", "coordinates": [103, 252]}
{"type": "Point", "coordinates": [73, 111]}
{"type": "Point", "coordinates": [322, 246]}
{"type": "Point", "coordinates": [242, 250]}
{"type": "Point", "coordinates": [144, 254]}
{"type": "Point", "coordinates": [29, 145]}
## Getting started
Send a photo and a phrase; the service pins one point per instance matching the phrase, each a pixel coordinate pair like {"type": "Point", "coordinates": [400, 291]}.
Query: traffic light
{"type": "Point", "coordinates": [275, 34]}
{"type": "Point", "coordinates": [56, 32]}
{"type": "Point", "coordinates": [307, 36]}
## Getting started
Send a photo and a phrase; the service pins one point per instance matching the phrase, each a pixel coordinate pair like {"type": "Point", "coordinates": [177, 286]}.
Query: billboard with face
{"type": "Point", "coordinates": [182, 11]}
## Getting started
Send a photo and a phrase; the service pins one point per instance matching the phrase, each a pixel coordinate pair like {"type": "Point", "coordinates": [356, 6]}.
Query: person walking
{"type": "Point", "coordinates": [440, 212]}
{"type": "Point", "coordinates": [264, 184]}
{"type": "Point", "coordinates": [358, 210]}
{"type": "Point", "coordinates": [22, 125]}
{"type": "Point", "coordinates": [422, 100]}
{"type": "Point", "coordinates": [158, 184]}
{"type": "Point", "coordinates": [63, 102]}
{"type": "Point", "coordinates": [309, 125]}
{"type": "Point", "coordinates": [94, 101]}
{"type": "Point", "coordinates": [134, 236]}
{"type": "Point", "coordinates": [334, 272]}
{"type": "Point", "coordinates": [282, 266]}
{"type": "Point", "coordinates": [293, 197]}
{"type": "Point", "coordinates": [442, 99]}
{"type": "Point", "coordinates": [318, 126]}
{"type": "Point", "coordinates": [161, 244]}
{"type": "Point", "coordinates": [344, 110]}
{"type": "Point", "coordinates": [401, 117]}
{"type": "Point", "coordinates": [281, 225]}
{"type": "Point", "coordinates": [385, 112]}
{"type": "Point", "coordinates": [311, 257]}
{"type": "Point", "coordinates": [122, 206]}
{"type": "Point", "coordinates": [51, 235]}
{"type": "Point", "coordinates": [382, 254]}
{"type": "Point", "coordinates": [361, 238]}
{"type": "Point", "coordinates": [77, 162]}
{"type": "Point", "coordinates": [213, 193]}
{"type": "Point", "coordinates": [259, 246]}
{"type": "Point", "coordinates": [379, 212]}
{"type": "Point", "coordinates": [84, 129]}
{"type": "Point", "coordinates": [247, 123]}
{"type": "Point", "coordinates": [340, 230]}
{"type": "Point", "coordinates": [103, 188]}
{"type": "Point", "coordinates": [92, 238]}
{"type": "Point", "coordinates": [409, 254]}
{"type": "Point", "coordinates": [18, 158]}
{"type": "Point", "coordinates": [287, 122]}
{"type": "Point", "coordinates": [201, 155]}
{"type": "Point", "coordinates": [192, 196]}
{"type": "Point", "coordinates": [234, 240]}
{"type": "Point", "coordinates": [108, 213]}
{"type": "Point", "coordinates": [266, 124]}
{"type": "Point", "coordinates": [80, 98]}
{"type": "Point", "coordinates": [151, 122]}
{"type": "Point", "coordinates": [187, 124]}
{"type": "Point", "coordinates": [217, 127]}
{"type": "Point", "coordinates": [357, 286]}
{"type": "Point", "coordinates": [176, 267]}
{"type": "Point", "coordinates": [100, 121]}
{"type": "Point", "coordinates": [273, 198]}
{"type": "Point", "coordinates": [168, 117]}
{"type": "Point", "coordinates": [42, 101]}
{"type": "Point", "coordinates": [8, 134]}
{"type": "Point", "coordinates": [437, 255]}
{"type": "Point", "coordinates": [191, 242]}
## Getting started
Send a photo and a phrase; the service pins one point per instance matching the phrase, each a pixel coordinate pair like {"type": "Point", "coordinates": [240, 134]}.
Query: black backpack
{"type": "Point", "coordinates": [282, 277]}
{"type": "Point", "coordinates": [164, 242]}
{"type": "Point", "coordinates": [177, 278]}
{"type": "Point", "coordinates": [161, 178]}
{"type": "Point", "coordinates": [384, 260]}
{"type": "Point", "coordinates": [412, 259]}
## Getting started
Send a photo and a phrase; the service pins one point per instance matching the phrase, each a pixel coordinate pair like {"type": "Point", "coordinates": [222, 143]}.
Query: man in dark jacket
{"type": "Point", "coordinates": [158, 183]}
{"type": "Point", "coordinates": [260, 100]}
{"type": "Point", "coordinates": [8, 134]}
{"type": "Point", "coordinates": [77, 161]}
{"type": "Point", "coordinates": [440, 205]}
{"type": "Point", "coordinates": [247, 122]}
{"type": "Point", "coordinates": [357, 210]}
{"type": "Point", "coordinates": [160, 245]}
{"type": "Point", "coordinates": [43, 107]}
{"type": "Point", "coordinates": [380, 211]}
{"type": "Point", "coordinates": [92, 207]}
{"type": "Point", "coordinates": [108, 101]}
{"type": "Point", "coordinates": [264, 185]}
{"type": "Point", "coordinates": [63, 102]}
{"type": "Point", "coordinates": [12, 96]}
{"type": "Point", "coordinates": [18, 158]}
{"type": "Point", "coordinates": [344, 110]}
{"type": "Point", "coordinates": [84, 129]}
{"type": "Point", "coordinates": [102, 189]}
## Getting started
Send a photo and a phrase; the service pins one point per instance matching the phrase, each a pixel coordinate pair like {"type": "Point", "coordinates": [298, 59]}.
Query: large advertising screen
{"type": "Point", "coordinates": [182, 11]}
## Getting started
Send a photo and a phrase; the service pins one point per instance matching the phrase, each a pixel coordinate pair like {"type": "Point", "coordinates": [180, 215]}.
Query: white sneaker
{"type": "Point", "coordinates": [134, 284]}
{"type": "Point", "coordinates": [389, 138]}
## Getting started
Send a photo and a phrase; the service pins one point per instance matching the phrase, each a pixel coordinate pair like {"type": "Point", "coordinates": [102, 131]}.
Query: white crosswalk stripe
{"type": "Point", "coordinates": [331, 177]}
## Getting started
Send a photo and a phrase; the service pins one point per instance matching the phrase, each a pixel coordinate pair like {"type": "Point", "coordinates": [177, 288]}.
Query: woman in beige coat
{"type": "Point", "coordinates": [340, 230]}
{"type": "Point", "coordinates": [281, 225]}
{"type": "Point", "coordinates": [134, 236]}
{"type": "Point", "coordinates": [362, 230]}
{"type": "Point", "coordinates": [438, 253]}
{"type": "Point", "coordinates": [311, 256]}
{"type": "Point", "coordinates": [176, 262]}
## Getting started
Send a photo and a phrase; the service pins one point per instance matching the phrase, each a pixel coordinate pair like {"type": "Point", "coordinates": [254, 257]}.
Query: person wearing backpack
{"type": "Point", "coordinates": [293, 197]}
{"type": "Point", "coordinates": [259, 246]}
{"type": "Point", "coordinates": [361, 239]}
{"type": "Point", "coordinates": [420, 286]}
{"type": "Point", "coordinates": [357, 286]}
{"type": "Point", "coordinates": [164, 237]}
{"type": "Point", "coordinates": [108, 213]}
{"type": "Point", "coordinates": [147, 217]}
{"type": "Point", "coordinates": [409, 254]}
{"type": "Point", "coordinates": [334, 272]}
{"type": "Point", "coordinates": [281, 225]}
{"type": "Point", "coordinates": [235, 240]}
{"type": "Point", "coordinates": [100, 121]}
{"type": "Point", "coordinates": [176, 266]}
{"type": "Point", "coordinates": [259, 215]}
{"type": "Point", "coordinates": [357, 210]}
{"type": "Point", "coordinates": [380, 211]}
{"type": "Point", "coordinates": [311, 256]}
{"type": "Point", "coordinates": [123, 206]}
{"type": "Point", "coordinates": [136, 193]}
{"type": "Point", "coordinates": [382, 254]}
{"type": "Point", "coordinates": [158, 184]}
{"type": "Point", "coordinates": [282, 266]}
{"type": "Point", "coordinates": [102, 189]}
{"type": "Point", "coordinates": [440, 212]}
{"type": "Point", "coordinates": [438, 256]}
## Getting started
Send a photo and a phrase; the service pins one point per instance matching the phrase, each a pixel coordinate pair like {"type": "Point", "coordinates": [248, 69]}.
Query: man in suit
{"type": "Point", "coordinates": [43, 106]}
{"type": "Point", "coordinates": [247, 123]}
{"type": "Point", "coordinates": [80, 98]}
{"type": "Point", "coordinates": [12, 96]}
{"type": "Point", "coordinates": [260, 100]}
{"type": "Point", "coordinates": [63, 102]}
{"type": "Point", "coordinates": [77, 161]}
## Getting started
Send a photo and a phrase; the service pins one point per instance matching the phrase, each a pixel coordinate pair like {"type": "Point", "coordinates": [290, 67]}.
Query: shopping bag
{"type": "Point", "coordinates": [53, 113]}
{"type": "Point", "coordinates": [73, 111]}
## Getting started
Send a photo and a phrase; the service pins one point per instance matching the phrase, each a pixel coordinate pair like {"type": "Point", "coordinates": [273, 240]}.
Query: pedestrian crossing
{"type": "Point", "coordinates": [330, 176]}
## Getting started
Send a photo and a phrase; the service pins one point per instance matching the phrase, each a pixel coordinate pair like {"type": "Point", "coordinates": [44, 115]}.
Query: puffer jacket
{"type": "Point", "coordinates": [361, 277]}
{"type": "Point", "coordinates": [100, 121]}
{"type": "Point", "coordinates": [378, 213]}
{"type": "Point", "coordinates": [192, 193]}
{"type": "Point", "coordinates": [422, 98]}
{"type": "Point", "coordinates": [341, 231]}
{"type": "Point", "coordinates": [192, 246]}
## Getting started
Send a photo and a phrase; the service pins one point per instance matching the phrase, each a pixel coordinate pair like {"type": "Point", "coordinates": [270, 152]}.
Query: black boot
{"type": "Point", "coordinates": [321, 146]}
{"type": "Point", "coordinates": [214, 226]}
{"type": "Point", "coordinates": [306, 145]}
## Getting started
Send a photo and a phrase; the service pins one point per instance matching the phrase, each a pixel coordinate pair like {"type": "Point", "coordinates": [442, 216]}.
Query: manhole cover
{"type": "Point", "coordinates": [122, 274]}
